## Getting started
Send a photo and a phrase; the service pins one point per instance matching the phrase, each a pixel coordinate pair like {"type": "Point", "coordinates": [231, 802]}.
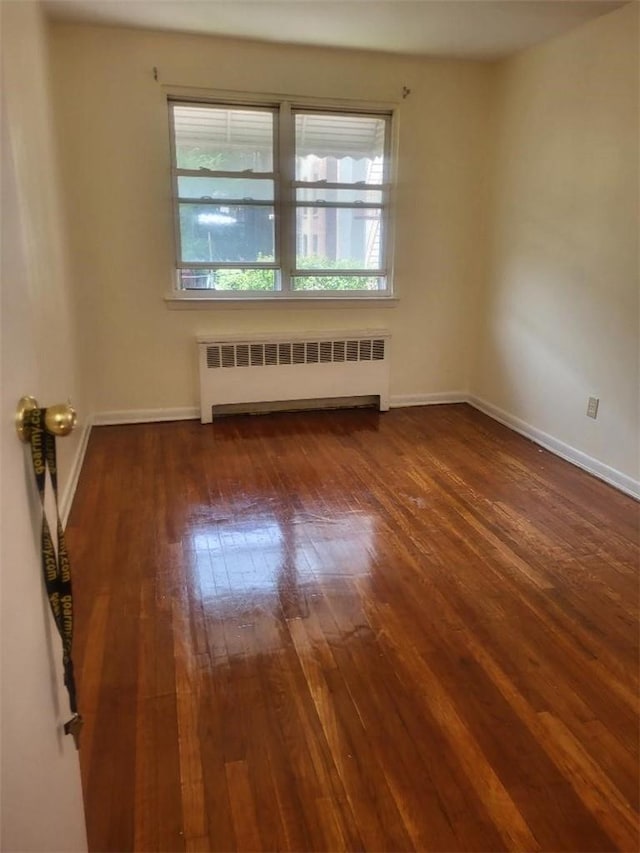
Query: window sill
{"type": "Point", "coordinates": [187, 303]}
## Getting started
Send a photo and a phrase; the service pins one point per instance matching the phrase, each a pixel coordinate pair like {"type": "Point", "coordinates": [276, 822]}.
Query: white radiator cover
{"type": "Point", "coordinates": [276, 368]}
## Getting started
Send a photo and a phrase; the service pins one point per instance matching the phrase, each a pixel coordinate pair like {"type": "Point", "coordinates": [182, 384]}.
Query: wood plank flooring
{"type": "Point", "coordinates": [353, 631]}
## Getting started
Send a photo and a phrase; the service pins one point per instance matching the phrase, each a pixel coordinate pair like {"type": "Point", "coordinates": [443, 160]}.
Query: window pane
{"type": "Point", "coordinates": [226, 233]}
{"type": "Point", "coordinates": [338, 282]}
{"type": "Point", "coordinates": [223, 138]}
{"type": "Point", "coordinates": [238, 188]}
{"type": "Point", "coordinates": [338, 238]}
{"type": "Point", "coordinates": [251, 279]}
{"type": "Point", "coordinates": [339, 148]}
{"type": "Point", "coordinates": [344, 196]}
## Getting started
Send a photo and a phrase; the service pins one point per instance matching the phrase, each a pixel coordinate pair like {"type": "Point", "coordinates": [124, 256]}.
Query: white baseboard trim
{"type": "Point", "coordinates": [187, 413]}
{"type": "Point", "coordinates": [593, 466]}
{"type": "Point", "coordinates": [74, 475]}
{"type": "Point", "coordinates": [145, 416]}
{"type": "Point", "coordinates": [400, 401]}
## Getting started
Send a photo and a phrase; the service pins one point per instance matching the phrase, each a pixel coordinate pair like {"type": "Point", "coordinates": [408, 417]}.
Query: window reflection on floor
{"type": "Point", "coordinates": [271, 552]}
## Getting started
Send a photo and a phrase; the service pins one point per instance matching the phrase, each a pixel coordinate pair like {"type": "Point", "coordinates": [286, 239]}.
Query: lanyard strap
{"type": "Point", "coordinates": [56, 568]}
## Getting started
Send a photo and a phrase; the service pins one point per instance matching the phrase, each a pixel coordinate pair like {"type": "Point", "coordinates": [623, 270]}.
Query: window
{"type": "Point", "coordinates": [276, 200]}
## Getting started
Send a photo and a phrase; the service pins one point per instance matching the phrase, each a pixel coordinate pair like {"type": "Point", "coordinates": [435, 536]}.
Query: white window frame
{"type": "Point", "coordinates": [285, 205]}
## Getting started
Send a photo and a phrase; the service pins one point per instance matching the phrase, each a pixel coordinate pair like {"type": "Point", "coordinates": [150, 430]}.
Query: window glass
{"type": "Point", "coordinates": [227, 279]}
{"type": "Point", "coordinates": [339, 148]}
{"type": "Point", "coordinates": [342, 196]}
{"type": "Point", "coordinates": [223, 139]}
{"type": "Point", "coordinates": [226, 233]}
{"type": "Point", "coordinates": [337, 282]}
{"type": "Point", "coordinates": [346, 238]}
{"type": "Point", "coordinates": [235, 188]}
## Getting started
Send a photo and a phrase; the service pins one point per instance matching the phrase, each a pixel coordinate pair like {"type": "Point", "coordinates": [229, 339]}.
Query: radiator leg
{"type": "Point", "coordinates": [206, 414]}
{"type": "Point", "coordinates": [384, 402]}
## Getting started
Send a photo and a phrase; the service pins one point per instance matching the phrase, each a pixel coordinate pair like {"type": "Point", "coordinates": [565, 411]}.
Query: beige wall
{"type": "Point", "coordinates": [41, 801]}
{"type": "Point", "coordinates": [113, 125]}
{"type": "Point", "coordinates": [560, 310]}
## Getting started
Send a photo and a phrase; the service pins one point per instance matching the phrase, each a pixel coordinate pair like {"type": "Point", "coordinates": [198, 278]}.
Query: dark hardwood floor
{"type": "Point", "coordinates": [352, 631]}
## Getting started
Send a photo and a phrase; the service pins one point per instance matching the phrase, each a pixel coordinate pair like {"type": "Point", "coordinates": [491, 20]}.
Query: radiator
{"type": "Point", "coordinates": [285, 368]}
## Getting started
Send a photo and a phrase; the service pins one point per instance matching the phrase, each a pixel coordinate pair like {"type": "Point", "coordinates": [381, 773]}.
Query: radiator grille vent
{"type": "Point", "coordinates": [295, 352]}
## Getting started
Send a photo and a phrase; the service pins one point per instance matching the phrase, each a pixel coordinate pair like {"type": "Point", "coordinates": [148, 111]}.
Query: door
{"type": "Point", "coordinates": [41, 792]}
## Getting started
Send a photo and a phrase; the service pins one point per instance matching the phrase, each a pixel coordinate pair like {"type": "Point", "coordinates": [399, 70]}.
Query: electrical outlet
{"type": "Point", "coordinates": [592, 407]}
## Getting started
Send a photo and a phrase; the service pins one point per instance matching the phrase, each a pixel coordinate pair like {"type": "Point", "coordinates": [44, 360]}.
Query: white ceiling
{"type": "Point", "coordinates": [484, 29]}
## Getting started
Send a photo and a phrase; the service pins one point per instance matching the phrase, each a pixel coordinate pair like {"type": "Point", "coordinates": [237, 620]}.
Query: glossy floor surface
{"type": "Point", "coordinates": [353, 631]}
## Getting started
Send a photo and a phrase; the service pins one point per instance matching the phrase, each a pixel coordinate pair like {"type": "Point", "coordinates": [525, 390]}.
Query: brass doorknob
{"type": "Point", "coordinates": [58, 420]}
